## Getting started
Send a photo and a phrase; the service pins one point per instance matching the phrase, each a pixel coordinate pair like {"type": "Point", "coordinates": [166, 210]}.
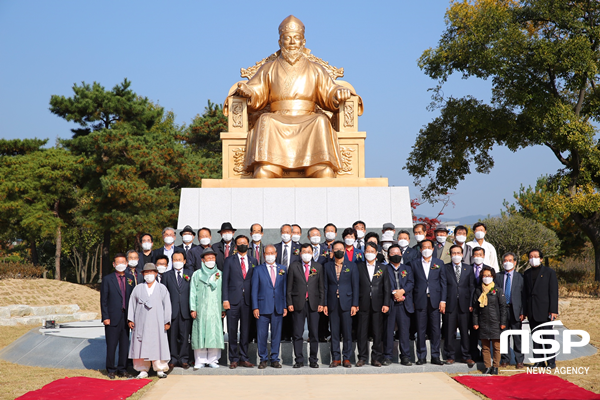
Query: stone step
{"type": "Point", "coordinates": [40, 319]}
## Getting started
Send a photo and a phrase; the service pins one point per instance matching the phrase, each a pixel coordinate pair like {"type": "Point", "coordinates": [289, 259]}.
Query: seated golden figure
{"type": "Point", "coordinates": [288, 97]}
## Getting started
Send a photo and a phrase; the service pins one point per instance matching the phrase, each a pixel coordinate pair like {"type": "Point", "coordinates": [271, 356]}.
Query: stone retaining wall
{"type": "Point", "coordinates": [18, 314]}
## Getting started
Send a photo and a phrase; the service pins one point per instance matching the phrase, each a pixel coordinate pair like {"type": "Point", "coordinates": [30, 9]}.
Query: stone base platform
{"type": "Point", "coordinates": [295, 182]}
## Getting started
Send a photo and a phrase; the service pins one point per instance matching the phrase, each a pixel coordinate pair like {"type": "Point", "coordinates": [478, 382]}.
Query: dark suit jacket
{"type": "Point", "coordinates": [180, 297]}
{"type": "Point", "coordinates": [141, 261]}
{"type": "Point", "coordinates": [219, 248]}
{"type": "Point", "coordinates": [357, 256]}
{"type": "Point", "coordinates": [436, 282]}
{"type": "Point", "coordinates": [459, 294]}
{"type": "Point", "coordinates": [410, 254]}
{"type": "Point", "coordinates": [323, 254]}
{"type": "Point", "coordinates": [293, 256]}
{"type": "Point", "coordinates": [182, 247]}
{"type": "Point", "coordinates": [373, 293]}
{"type": "Point", "coordinates": [541, 299]}
{"type": "Point", "coordinates": [517, 286]}
{"type": "Point", "coordinates": [111, 297]}
{"type": "Point", "coordinates": [407, 283]}
{"type": "Point", "coordinates": [266, 298]}
{"type": "Point", "coordinates": [347, 286]}
{"type": "Point", "coordinates": [234, 286]}
{"type": "Point", "coordinates": [297, 286]}
{"type": "Point", "coordinates": [261, 252]}
{"type": "Point", "coordinates": [193, 259]}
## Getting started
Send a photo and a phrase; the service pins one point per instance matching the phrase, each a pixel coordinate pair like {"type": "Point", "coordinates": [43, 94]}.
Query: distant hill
{"type": "Point", "coordinates": [466, 220]}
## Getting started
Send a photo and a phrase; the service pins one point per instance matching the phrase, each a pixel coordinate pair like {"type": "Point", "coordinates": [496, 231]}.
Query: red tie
{"type": "Point", "coordinates": [243, 268]}
{"type": "Point", "coordinates": [306, 268]}
{"type": "Point", "coordinates": [257, 249]}
{"type": "Point", "coordinates": [226, 250]}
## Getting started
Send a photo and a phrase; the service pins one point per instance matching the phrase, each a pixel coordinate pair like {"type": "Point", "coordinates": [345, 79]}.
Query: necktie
{"type": "Point", "coordinates": [284, 259]}
{"type": "Point", "coordinates": [226, 250]}
{"type": "Point", "coordinates": [273, 275]}
{"type": "Point", "coordinates": [186, 249]}
{"type": "Point", "coordinates": [179, 278]}
{"type": "Point", "coordinates": [306, 268]}
{"type": "Point", "coordinates": [507, 288]}
{"type": "Point", "coordinates": [397, 275]}
{"type": "Point", "coordinates": [243, 268]}
{"type": "Point", "coordinates": [315, 253]}
{"type": "Point", "coordinates": [457, 272]}
{"type": "Point", "coordinates": [477, 271]}
{"type": "Point", "coordinates": [122, 287]}
{"type": "Point", "coordinates": [256, 250]}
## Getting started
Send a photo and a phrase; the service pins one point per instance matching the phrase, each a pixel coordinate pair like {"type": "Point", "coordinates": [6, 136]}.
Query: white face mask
{"type": "Point", "coordinates": [315, 239]}
{"type": "Point", "coordinates": [306, 257]}
{"type": "Point", "coordinates": [370, 256]}
{"type": "Point", "coordinates": [133, 263]}
{"type": "Point", "coordinates": [270, 259]}
{"type": "Point", "coordinates": [441, 239]}
{"type": "Point", "coordinates": [227, 236]}
{"type": "Point", "coordinates": [295, 238]}
{"type": "Point", "coordinates": [257, 237]}
{"type": "Point", "coordinates": [479, 235]}
{"type": "Point", "coordinates": [456, 259]}
{"type": "Point", "coordinates": [330, 235]}
{"type": "Point", "coordinates": [427, 253]}
{"type": "Point", "coordinates": [360, 234]}
{"type": "Point", "coordinates": [286, 237]}
{"type": "Point", "coordinates": [478, 260]}
{"type": "Point", "coordinates": [147, 246]}
{"type": "Point", "coordinates": [403, 243]}
{"type": "Point", "coordinates": [534, 262]}
{"type": "Point", "coordinates": [121, 267]}
{"type": "Point", "coordinates": [177, 264]}
{"type": "Point", "coordinates": [386, 246]}
{"type": "Point", "coordinates": [508, 266]}
{"type": "Point", "coordinates": [487, 279]}
{"type": "Point", "coordinates": [210, 264]}
{"type": "Point", "coordinates": [349, 241]}
{"type": "Point", "coordinates": [149, 278]}
{"type": "Point", "coordinates": [169, 239]}
{"type": "Point", "coordinates": [205, 241]}
{"type": "Point", "coordinates": [420, 238]}
{"type": "Point", "coordinates": [461, 238]}
{"type": "Point", "coordinates": [187, 238]}
{"type": "Point", "coordinates": [161, 269]}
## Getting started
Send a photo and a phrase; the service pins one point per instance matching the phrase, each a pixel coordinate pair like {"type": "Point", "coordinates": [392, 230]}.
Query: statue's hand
{"type": "Point", "coordinates": [342, 95]}
{"type": "Point", "coordinates": [243, 90]}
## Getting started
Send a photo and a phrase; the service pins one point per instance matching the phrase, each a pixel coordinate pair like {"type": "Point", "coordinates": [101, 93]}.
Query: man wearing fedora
{"type": "Point", "coordinates": [441, 247]}
{"type": "Point", "coordinates": [226, 247]}
{"type": "Point", "coordinates": [187, 235]}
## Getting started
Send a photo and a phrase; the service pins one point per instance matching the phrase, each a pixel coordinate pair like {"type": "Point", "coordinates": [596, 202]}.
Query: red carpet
{"type": "Point", "coordinates": [526, 386]}
{"type": "Point", "coordinates": [81, 388]}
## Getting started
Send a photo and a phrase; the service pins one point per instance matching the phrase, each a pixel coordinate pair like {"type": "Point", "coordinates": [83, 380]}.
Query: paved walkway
{"type": "Point", "coordinates": [434, 385]}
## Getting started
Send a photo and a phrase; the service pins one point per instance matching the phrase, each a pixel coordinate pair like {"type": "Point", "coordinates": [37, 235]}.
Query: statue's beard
{"type": "Point", "coordinates": [292, 56]}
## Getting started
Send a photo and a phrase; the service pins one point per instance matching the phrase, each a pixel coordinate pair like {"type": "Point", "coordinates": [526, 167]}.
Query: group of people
{"type": "Point", "coordinates": [365, 287]}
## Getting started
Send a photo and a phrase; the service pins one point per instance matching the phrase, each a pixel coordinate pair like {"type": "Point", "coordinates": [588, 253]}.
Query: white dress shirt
{"type": "Point", "coordinates": [289, 252]}
{"type": "Point", "coordinates": [169, 254]}
{"type": "Point", "coordinates": [426, 267]}
{"type": "Point", "coordinates": [371, 269]}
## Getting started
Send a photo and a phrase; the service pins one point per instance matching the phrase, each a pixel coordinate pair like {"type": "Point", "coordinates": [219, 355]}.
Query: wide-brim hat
{"type": "Point", "coordinates": [187, 229]}
{"type": "Point", "coordinates": [208, 251]}
{"type": "Point", "coordinates": [150, 267]}
{"type": "Point", "coordinates": [226, 226]}
{"type": "Point", "coordinates": [441, 227]}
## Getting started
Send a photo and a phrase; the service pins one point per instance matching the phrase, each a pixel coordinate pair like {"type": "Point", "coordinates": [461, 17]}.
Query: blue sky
{"type": "Point", "coordinates": [183, 53]}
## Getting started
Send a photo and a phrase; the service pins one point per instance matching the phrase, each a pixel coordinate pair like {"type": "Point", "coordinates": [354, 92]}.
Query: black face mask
{"type": "Point", "coordinates": [242, 248]}
{"type": "Point", "coordinates": [395, 258]}
{"type": "Point", "coordinates": [338, 254]}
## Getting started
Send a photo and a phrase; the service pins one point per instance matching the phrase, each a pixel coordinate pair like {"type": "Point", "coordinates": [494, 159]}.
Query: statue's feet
{"type": "Point", "coordinates": [319, 171]}
{"type": "Point", "coordinates": [266, 171]}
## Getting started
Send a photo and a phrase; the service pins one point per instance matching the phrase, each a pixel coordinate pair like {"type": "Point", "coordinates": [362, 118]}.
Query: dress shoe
{"type": "Point", "coordinates": [449, 361]}
{"type": "Point", "coordinates": [171, 366]}
{"type": "Point", "coordinates": [246, 364]}
{"type": "Point", "coordinates": [335, 363]}
{"type": "Point", "coordinates": [185, 365]}
{"type": "Point", "coordinates": [376, 363]}
{"type": "Point", "coordinates": [386, 362]}
{"type": "Point", "coordinates": [495, 371]}
{"type": "Point", "coordinates": [520, 366]}
{"type": "Point", "coordinates": [124, 374]}
{"type": "Point", "coordinates": [360, 363]}
{"type": "Point", "coordinates": [347, 364]}
{"type": "Point", "coordinates": [470, 363]}
{"type": "Point", "coordinates": [314, 365]}
{"type": "Point", "coordinates": [276, 364]}
{"type": "Point", "coordinates": [298, 365]}
{"type": "Point", "coordinates": [437, 361]}
{"type": "Point", "coordinates": [233, 365]}
{"type": "Point", "coordinates": [489, 371]}
{"type": "Point", "coordinates": [262, 365]}
{"type": "Point", "coordinates": [421, 361]}
{"type": "Point", "coordinates": [503, 365]}
{"type": "Point", "coordinates": [111, 375]}
{"type": "Point", "coordinates": [405, 361]}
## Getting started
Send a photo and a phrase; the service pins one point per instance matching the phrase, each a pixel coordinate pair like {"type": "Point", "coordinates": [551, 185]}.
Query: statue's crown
{"type": "Point", "coordinates": [291, 23]}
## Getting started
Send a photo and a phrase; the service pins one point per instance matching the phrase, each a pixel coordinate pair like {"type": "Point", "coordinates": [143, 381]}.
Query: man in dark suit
{"type": "Point", "coordinates": [320, 252]}
{"type": "Point", "coordinates": [541, 299]}
{"type": "Point", "coordinates": [477, 260]}
{"type": "Point", "coordinates": [373, 304]}
{"type": "Point", "coordinates": [287, 253]}
{"type": "Point", "coordinates": [459, 304]}
{"type": "Point", "coordinates": [341, 302]}
{"type": "Point", "coordinates": [257, 249]}
{"type": "Point", "coordinates": [408, 253]}
{"type": "Point", "coordinates": [187, 235]}
{"type": "Point", "coordinates": [177, 282]}
{"type": "Point", "coordinates": [169, 247]}
{"type": "Point", "coordinates": [114, 304]}
{"type": "Point", "coordinates": [361, 230]}
{"type": "Point", "coordinates": [194, 255]}
{"type": "Point", "coordinates": [330, 232]}
{"type": "Point", "coordinates": [420, 232]}
{"type": "Point", "coordinates": [133, 266]}
{"type": "Point", "coordinates": [146, 255]}
{"type": "Point", "coordinates": [226, 247]}
{"type": "Point", "coordinates": [236, 293]}
{"type": "Point", "coordinates": [513, 284]}
{"type": "Point", "coordinates": [429, 295]}
{"type": "Point", "coordinates": [401, 307]}
{"type": "Point", "coordinates": [269, 283]}
{"type": "Point", "coordinates": [305, 299]}
{"type": "Point", "coordinates": [460, 238]}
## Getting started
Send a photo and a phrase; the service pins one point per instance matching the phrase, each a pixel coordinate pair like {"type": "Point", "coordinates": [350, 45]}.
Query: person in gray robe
{"type": "Point", "coordinates": [149, 318]}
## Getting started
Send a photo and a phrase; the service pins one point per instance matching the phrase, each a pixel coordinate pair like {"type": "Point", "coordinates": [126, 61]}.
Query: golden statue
{"type": "Point", "coordinates": [290, 95]}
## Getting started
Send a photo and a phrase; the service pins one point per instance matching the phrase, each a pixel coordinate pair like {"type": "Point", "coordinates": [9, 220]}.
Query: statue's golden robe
{"type": "Point", "coordinates": [292, 135]}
